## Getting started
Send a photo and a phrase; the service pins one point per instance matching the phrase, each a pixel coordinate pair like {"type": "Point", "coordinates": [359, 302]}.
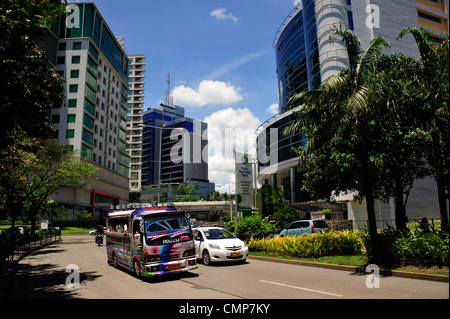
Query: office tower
{"type": "Point", "coordinates": [305, 58]}
{"type": "Point", "coordinates": [93, 118]}
{"type": "Point", "coordinates": [172, 148]}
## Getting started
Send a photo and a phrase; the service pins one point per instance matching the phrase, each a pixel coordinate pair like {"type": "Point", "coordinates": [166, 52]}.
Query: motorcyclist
{"type": "Point", "coordinates": [99, 235]}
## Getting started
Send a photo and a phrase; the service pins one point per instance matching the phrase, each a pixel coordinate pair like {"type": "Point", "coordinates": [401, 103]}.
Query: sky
{"type": "Point", "coordinates": [221, 61]}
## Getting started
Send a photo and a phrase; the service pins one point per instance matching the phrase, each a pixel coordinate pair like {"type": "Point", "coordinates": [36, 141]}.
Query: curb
{"type": "Point", "coordinates": [354, 269]}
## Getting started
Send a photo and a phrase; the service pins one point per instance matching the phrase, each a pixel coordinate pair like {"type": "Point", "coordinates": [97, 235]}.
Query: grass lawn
{"type": "Point", "coordinates": [357, 261]}
{"type": "Point", "coordinates": [65, 230]}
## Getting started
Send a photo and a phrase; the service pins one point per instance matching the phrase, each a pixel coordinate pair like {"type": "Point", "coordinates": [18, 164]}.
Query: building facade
{"type": "Point", "coordinates": [136, 81]}
{"type": "Point", "coordinates": [172, 148]}
{"type": "Point", "coordinates": [93, 119]}
{"type": "Point", "coordinates": [305, 57]}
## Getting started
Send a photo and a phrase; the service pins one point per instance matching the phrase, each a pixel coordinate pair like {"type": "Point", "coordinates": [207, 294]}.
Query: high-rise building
{"type": "Point", "coordinates": [135, 119]}
{"type": "Point", "coordinates": [172, 149]}
{"type": "Point", "coordinates": [93, 119]}
{"type": "Point", "coordinates": [305, 57]}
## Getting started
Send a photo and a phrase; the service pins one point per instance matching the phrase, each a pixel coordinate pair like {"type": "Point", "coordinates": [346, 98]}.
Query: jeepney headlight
{"type": "Point", "coordinates": [189, 253]}
{"type": "Point", "coordinates": [152, 258]}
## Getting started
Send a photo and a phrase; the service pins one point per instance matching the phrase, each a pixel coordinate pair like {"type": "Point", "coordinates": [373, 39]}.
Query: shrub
{"type": "Point", "coordinates": [251, 227]}
{"type": "Point", "coordinates": [394, 247]}
{"type": "Point", "coordinates": [324, 244]}
{"type": "Point", "coordinates": [286, 215]}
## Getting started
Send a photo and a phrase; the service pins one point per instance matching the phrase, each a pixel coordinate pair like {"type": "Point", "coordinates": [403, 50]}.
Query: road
{"type": "Point", "coordinates": [42, 275]}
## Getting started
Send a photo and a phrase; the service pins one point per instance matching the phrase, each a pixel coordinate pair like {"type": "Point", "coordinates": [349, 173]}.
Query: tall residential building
{"type": "Point", "coordinates": [136, 80]}
{"type": "Point", "coordinates": [93, 119]}
{"type": "Point", "coordinates": [305, 58]}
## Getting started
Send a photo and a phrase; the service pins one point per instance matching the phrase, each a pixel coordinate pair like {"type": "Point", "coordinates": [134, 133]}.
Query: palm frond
{"type": "Point", "coordinates": [351, 42]}
{"type": "Point", "coordinates": [421, 36]}
{"type": "Point", "coordinates": [358, 101]}
{"type": "Point", "coordinates": [370, 55]}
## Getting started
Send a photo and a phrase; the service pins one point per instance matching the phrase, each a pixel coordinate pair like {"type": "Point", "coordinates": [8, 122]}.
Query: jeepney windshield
{"type": "Point", "coordinates": [160, 225]}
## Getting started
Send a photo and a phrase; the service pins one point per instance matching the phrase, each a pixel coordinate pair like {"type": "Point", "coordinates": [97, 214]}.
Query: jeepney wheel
{"type": "Point", "coordinates": [114, 260]}
{"type": "Point", "coordinates": [137, 268]}
{"type": "Point", "coordinates": [206, 258]}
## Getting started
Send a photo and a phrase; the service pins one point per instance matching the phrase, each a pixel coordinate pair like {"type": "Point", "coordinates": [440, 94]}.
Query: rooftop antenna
{"type": "Point", "coordinates": [169, 98]}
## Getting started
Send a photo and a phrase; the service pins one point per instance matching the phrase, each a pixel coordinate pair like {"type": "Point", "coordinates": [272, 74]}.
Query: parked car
{"type": "Point", "coordinates": [214, 244]}
{"type": "Point", "coordinates": [305, 227]}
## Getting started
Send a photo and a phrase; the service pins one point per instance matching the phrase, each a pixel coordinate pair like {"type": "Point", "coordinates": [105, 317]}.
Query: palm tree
{"type": "Point", "coordinates": [342, 99]}
{"type": "Point", "coordinates": [435, 66]}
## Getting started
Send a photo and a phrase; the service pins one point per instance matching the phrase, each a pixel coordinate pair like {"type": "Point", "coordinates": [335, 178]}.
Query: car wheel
{"type": "Point", "coordinates": [137, 268]}
{"type": "Point", "coordinates": [206, 258]}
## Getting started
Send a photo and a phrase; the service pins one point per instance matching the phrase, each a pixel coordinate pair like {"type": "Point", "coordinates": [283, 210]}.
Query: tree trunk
{"type": "Point", "coordinates": [439, 176]}
{"type": "Point", "coordinates": [400, 211]}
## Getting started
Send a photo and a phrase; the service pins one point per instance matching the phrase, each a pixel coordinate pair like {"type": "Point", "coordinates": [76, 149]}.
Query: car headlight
{"type": "Point", "coordinates": [214, 246]}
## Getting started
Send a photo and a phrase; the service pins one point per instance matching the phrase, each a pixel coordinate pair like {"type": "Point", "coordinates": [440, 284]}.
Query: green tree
{"type": "Point", "coordinates": [435, 65]}
{"type": "Point", "coordinates": [272, 199]}
{"type": "Point", "coordinates": [34, 169]}
{"type": "Point", "coordinates": [401, 142]}
{"type": "Point", "coordinates": [339, 108]}
{"type": "Point", "coordinates": [29, 85]}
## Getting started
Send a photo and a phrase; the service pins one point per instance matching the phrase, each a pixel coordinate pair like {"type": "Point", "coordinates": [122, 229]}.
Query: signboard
{"type": "Point", "coordinates": [317, 215]}
{"type": "Point", "coordinates": [44, 224]}
{"type": "Point", "coordinates": [244, 182]}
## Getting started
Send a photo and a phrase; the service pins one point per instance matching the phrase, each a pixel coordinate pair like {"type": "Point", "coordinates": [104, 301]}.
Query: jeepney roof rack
{"type": "Point", "coordinates": [139, 205]}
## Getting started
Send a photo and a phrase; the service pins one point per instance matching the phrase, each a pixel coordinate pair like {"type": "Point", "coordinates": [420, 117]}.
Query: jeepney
{"type": "Point", "coordinates": [150, 241]}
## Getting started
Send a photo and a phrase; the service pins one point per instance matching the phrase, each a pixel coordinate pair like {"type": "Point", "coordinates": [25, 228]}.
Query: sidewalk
{"type": "Point", "coordinates": [7, 277]}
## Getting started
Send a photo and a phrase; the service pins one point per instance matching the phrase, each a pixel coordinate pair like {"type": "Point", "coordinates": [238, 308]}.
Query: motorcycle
{"type": "Point", "coordinates": [98, 238]}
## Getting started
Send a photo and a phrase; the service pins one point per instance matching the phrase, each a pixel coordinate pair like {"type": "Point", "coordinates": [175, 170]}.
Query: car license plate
{"type": "Point", "coordinates": [235, 254]}
{"type": "Point", "coordinates": [174, 266]}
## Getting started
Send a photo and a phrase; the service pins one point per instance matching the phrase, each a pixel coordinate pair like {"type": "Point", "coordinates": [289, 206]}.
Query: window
{"type": "Point", "coordinates": [76, 59]}
{"type": "Point", "coordinates": [62, 46]}
{"type": "Point", "coordinates": [75, 74]}
{"type": "Point", "coordinates": [70, 133]}
{"type": "Point", "coordinates": [77, 45]}
{"type": "Point", "coordinates": [429, 17]}
{"type": "Point", "coordinates": [60, 60]}
{"type": "Point", "coordinates": [73, 88]}
{"type": "Point", "coordinates": [71, 118]}
{"type": "Point", "coordinates": [73, 103]}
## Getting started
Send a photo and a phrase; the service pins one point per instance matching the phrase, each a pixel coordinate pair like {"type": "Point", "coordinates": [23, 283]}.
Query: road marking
{"type": "Point", "coordinates": [301, 288]}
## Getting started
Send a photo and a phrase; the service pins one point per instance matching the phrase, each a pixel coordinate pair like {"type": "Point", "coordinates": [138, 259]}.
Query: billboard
{"type": "Point", "coordinates": [244, 182]}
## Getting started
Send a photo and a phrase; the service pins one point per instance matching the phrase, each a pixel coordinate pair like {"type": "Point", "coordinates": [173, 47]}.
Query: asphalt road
{"type": "Point", "coordinates": [43, 275]}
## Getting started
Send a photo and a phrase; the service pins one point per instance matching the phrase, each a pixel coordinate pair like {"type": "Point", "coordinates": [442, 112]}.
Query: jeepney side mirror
{"type": "Point", "coordinates": [137, 238]}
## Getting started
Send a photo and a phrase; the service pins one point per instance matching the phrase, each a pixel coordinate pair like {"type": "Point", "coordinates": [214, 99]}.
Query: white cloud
{"type": "Point", "coordinates": [273, 109]}
{"type": "Point", "coordinates": [208, 92]}
{"type": "Point", "coordinates": [229, 129]}
{"type": "Point", "coordinates": [220, 15]}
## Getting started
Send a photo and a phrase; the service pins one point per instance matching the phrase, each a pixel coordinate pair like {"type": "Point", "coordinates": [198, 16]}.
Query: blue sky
{"type": "Point", "coordinates": [220, 58]}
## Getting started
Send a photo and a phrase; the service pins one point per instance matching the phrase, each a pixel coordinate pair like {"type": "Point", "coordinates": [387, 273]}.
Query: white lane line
{"type": "Point", "coordinates": [301, 288]}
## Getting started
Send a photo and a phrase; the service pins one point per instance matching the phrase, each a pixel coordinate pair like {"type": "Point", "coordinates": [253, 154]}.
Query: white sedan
{"type": "Point", "coordinates": [218, 244]}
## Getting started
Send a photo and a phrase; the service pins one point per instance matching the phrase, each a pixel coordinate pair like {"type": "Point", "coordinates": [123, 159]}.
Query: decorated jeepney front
{"type": "Point", "coordinates": [151, 241]}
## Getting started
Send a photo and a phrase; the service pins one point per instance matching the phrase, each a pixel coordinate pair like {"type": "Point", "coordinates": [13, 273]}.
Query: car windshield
{"type": "Point", "coordinates": [215, 233]}
{"type": "Point", "coordinates": [166, 225]}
